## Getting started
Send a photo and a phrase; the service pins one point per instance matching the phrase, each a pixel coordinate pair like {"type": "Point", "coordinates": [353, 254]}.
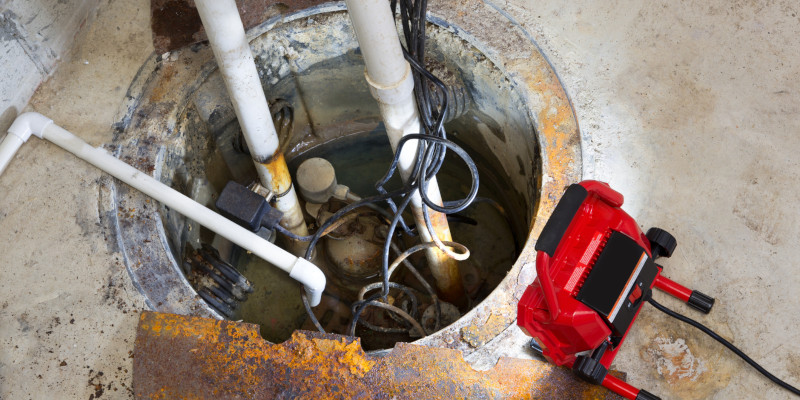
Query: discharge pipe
{"type": "Point", "coordinates": [392, 85]}
{"type": "Point", "coordinates": [225, 32]}
{"type": "Point", "coordinates": [42, 127]}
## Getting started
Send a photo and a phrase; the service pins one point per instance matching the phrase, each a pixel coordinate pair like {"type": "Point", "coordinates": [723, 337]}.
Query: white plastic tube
{"type": "Point", "coordinates": [298, 268]}
{"type": "Point", "coordinates": [8, 148]}
{"type": "Point", "coordinates": [226, 35]}
{"type": "Point", "coordinates": [392, 84]}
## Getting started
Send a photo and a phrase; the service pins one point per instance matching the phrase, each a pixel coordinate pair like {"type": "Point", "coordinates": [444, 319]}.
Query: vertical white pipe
{"type": "Point", "coordinates": [226, 34]}
{"type": "Point", "coordinates": [389, 76]}
{"type": "Point", "coordinates": [391, 83]}
{"type": "Point", "coordinates": [8, 147]}
{"type": "Point", "coordinates": [375, 30]}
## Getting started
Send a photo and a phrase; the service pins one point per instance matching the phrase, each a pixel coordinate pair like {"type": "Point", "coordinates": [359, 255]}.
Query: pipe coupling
{"type": "Point", "coordinates": [396, 93]}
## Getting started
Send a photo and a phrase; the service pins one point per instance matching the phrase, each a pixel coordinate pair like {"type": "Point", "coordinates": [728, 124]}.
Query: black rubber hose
{"type": "Point", "coordinates": [726, 343]}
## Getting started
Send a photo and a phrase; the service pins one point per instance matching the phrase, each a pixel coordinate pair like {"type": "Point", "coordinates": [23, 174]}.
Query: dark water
{"type": "Point", "coordinates": [360, 160]}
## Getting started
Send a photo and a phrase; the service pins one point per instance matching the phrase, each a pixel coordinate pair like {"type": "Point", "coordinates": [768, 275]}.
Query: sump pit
{"type": "Point", "coordinates": [311, 60]}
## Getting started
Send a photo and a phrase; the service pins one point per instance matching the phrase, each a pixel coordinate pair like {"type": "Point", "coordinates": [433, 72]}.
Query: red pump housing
{"type": "Point", "coordinates": [595, 267]}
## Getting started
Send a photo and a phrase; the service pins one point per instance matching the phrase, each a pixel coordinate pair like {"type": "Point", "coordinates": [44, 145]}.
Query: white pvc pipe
{"type": "Point", "coordinates": [392, 84]}
{"type": "Point", "coordinates": [376, 31]}
{"type": "Point", "coordinates": [226, 35]}
{"type": "Point", "coordinates": [298, 268]}
{"type": "Point", "coordinates": [8, 148]}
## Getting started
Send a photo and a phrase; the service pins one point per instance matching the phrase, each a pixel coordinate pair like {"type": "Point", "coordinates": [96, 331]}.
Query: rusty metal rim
{"type": "Point", "coordinates": [559, 148]}
{"type": "Point", "coordinates": [156, 273]}
{"type": "Point", "coordinates": [191, 357]}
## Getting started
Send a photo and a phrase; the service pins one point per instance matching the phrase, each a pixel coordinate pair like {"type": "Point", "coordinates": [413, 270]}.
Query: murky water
{"type": "Point", "coordinates": [360, 160]}
{"type": "Point", "coordinates": [332, 104]}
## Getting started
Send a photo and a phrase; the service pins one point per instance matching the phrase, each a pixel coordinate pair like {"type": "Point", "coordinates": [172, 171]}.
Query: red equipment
{"type": "Point", "coordinates": [595, 268]}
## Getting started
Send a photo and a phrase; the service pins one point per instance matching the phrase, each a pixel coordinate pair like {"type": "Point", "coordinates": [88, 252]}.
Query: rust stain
{"type": "Point", "coordinates": [279, 172]}
{"type": "Point", "coordinates": [444, 269]}
{"type": "Point", "coordinates": [440, 225]}
{"type": "Point", "coordinates": [161, 90]}
{"type": "Point", "coordinates": [198, 358]}
{"type": "Point", "coordinates": [556, 123]}
{"type": "Point", "coordinates": [176, 23]}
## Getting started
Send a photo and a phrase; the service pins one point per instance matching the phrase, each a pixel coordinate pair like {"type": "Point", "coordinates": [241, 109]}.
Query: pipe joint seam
{"type": "Point", "coordinates": [396, 93]}
{"type": "Point", "coordinates": [29, 123]}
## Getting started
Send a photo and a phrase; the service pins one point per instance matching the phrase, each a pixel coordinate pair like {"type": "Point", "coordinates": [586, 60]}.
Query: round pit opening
{"type": "Point", "coordinates": [313, 74]}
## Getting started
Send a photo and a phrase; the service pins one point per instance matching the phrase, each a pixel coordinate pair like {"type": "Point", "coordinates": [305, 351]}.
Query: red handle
{"type": "Point", "coordinates": [673, 288]}
{"type": "Point", "coordinates": [620, 387]}
{"type": "Point", "coordinates": [543, 272]}
{"type": "Point", "coordinates": [611, 196]}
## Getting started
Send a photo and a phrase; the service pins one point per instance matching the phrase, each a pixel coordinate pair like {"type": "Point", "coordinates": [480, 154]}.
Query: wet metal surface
{"type": "Point", "coordinates": [192, 357]}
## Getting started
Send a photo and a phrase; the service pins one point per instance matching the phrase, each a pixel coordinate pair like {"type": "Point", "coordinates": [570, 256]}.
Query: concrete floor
{"type": "Point", "coordinates": [687, 108]}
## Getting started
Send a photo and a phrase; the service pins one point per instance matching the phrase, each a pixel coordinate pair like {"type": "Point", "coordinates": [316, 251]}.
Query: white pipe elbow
{"type": "Point", "coordinates": [312, 279]}
{"type": "Point", "coordinates": [29, 123]}
{"type": "Point", "coordinates": [19, 132]}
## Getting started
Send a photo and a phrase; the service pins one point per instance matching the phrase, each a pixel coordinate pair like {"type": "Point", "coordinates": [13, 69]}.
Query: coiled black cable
{"type": "Point", "coordinates": [726, 343]}
{"type": "Point", "coordinates": [432, 146]}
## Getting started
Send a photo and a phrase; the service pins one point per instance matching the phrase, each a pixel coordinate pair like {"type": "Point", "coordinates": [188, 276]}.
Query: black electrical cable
{"type": "Point", "coordinates": [411, 312]}
{"type": "Point", "coordinates": [292, 235]}
{"type": "Point", "coordinates": [432, 146]}
{"type": "Point", "coordinates": [310, 313]}
{"type": "Point", "coordinates": [726, 343]}
{"type": "Point", "coordinates": [358, 307]}
{"type": "Point", "coordinates": [344, 210]}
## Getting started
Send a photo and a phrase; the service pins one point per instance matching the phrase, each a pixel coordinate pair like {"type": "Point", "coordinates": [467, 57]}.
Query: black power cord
{"type": "Point", "coordinates": [292, 235]}
{"type": "Point", "coordinates": [726, 343]}
{"type": "Point", "coordinates": [431, 151]}
{"type": "Point", "coordinates": [405, 195]}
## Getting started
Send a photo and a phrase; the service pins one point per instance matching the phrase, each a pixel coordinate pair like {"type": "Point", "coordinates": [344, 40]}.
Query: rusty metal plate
{"type": "Point", "coordinates": [199, 358]}
{"type": "Point", "coordinates": [176, 23]}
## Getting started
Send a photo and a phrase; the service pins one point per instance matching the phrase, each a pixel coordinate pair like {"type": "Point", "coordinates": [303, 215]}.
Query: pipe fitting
{"type": "Point", "coordinates": [36, 124]}
{"type": "Point", "coordinates": [26, 124]}
{"type": "Point", "coordinates": [311, 277]}
{"type": "Point", "coordinates": [29, 123]}
{"type": "Point", "coordinates": [398, 93]}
